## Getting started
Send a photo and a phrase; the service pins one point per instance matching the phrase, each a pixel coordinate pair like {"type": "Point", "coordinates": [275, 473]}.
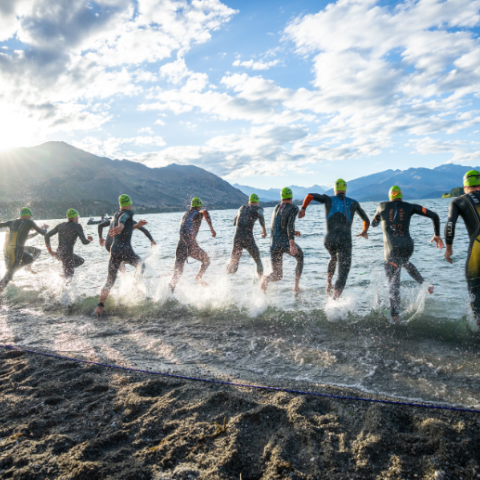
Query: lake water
{"type": "Point", "coordinates": [230, 328]}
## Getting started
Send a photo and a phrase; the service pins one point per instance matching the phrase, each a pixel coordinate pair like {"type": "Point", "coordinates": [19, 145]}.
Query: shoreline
{"type": "Point", "coordinates": [62, 419]}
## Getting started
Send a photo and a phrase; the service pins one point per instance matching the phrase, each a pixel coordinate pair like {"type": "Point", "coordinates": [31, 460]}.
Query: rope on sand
{"type": "Point", "coordinates": [241, 385]}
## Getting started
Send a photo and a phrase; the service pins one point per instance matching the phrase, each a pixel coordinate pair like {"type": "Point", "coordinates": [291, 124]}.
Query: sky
{"type": "Point", "coordinates": [262, 93]}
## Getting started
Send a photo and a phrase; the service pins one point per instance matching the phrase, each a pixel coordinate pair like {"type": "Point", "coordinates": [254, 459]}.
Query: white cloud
{"type": "Point", "coordinates": [256, 65]}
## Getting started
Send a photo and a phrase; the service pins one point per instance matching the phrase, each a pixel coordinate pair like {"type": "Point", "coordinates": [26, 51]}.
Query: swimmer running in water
{"type": "Point", "coordinates": [339, 212]}
{"type": "Point", "coordinates": [68, 232]}
{"type": "Point", "coordinates": [246, 217]}
{"type": "Point", "coordinates": [395, 217]}
{"type": "Point", "coordinates": [468, 207]}
{"type": "Point", "coordinates": [121, 250]}
{"type": "Point", "coordinates": [283, 240]}
{"type": "Point", "coordinates": [15, 252]}
{"type": "Point", "coordinates": [187, 243]}
{"type": "Point", "coordinates": [109, 241]}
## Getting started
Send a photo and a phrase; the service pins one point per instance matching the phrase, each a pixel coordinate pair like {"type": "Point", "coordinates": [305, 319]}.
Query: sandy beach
{"type": "Point", "coordinates": [65, 420]}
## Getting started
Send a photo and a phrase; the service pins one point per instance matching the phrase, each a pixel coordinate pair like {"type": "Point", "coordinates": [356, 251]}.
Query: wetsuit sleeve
{"type": "Point", "coordinates": [453, 213]}
{"type": "Point", "coordinates": [49, 235]}
{"type": "Point", "coordinates": [377, 219]}
{"type": "Point", "coordinates": [261, 218]}
{"type": "Point", "coordinates": [318, 197]}
{"type": "Point", "coordinates": [81, 235]}
{"type": "Point", "coordinates": [424, 212]}
{"type": "Point", "coordinates": [5, 224]}
{"type": "Point", "coordinates": [145, 232]}
{"type": "Point", "coordinates": [39, 230]}
{"type": "Point", "coordinates": [235, 220]}
{"type": "Point", "coordinates": [126, 215]}
{"type": "Point", "coordinates": [364, 217]}
{"type": "Point", "coordinates": [291, 224]}
{"type": "Point", "coordinates": [101, 226]}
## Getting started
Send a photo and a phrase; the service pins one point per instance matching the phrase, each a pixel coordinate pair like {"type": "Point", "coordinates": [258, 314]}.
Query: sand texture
{"type": "Point", "coordinates": [65, 420]}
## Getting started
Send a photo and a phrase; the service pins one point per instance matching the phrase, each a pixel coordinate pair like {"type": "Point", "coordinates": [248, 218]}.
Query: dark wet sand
{"type": "Point", "coordinates": [65, 420]}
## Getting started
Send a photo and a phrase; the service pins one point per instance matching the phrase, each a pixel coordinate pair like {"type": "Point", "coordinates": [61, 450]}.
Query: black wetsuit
{"type": "Point", "coordinates": [283, 230]}
{"type": "Point", "coordinates": [187, 245]}
{"type": "Point", "coordinates": [121, 250]}
{"type": "Point", "coordinates": [339, 212]}
{"type": "Point", "coordinates": [398, 244]}
{"type": "Point", "coordinates": [246, 217]}
{"type": "Point", "coordinates": [468, 207]}
{"type": "Point", "coordinates": [96, 222]}
{"type": "Point", "coordinates": [109, 239]}
{"type": "Point", "coordinates": [68, 232]}
{"type": "Point", "coordinates": [15, 253]}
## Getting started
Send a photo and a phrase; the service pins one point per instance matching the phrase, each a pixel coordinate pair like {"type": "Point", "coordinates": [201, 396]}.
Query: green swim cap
{"type": "Point", "coordinates": [471, 178]}
{"type": "Point", "coordinates": [25, 211]}
{"type": "Point", "coordinates": [72, 213]}
{"type": "Point", "coordinates": [395, 192]}
{"type": "Point", "coordinates": [196, 202]}
{"type": "Point", "coordinates": [286, 193]}
{"type": "Point", "coordinates": [254, 198]}
{"type": "Point", "coordinates": [340, 185]}
{"type": "Point", "coordinates": [124, 200]}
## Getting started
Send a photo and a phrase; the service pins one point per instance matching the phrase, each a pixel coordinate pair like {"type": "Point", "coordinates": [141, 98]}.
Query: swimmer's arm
{"type": "Point", "coordinates": [146, 233]}
{"type": "Point", "coordinates": [49, 235]}
{"type": "Point", "coordinates": [318, 197]}
{"type": "Point", "coordinates": [235, 220]}
{"type": "Point", "coordinates": [261, 219]}
{"type": "Point", "coordinates": [453, 214]}
{"type": "Point", "coordinates": [208, 219]}
{"type": "Point", "coordinates": [291, 225]}
{"type": "Point", "coordinates": [101, 226]}
{"type": "Point", "coordinates": [377, 219]}
{"type": "Point", "coordinates": [5, 224]}
{"type": "Point", "coordinates": [82, 237]}
{"type": "Point", "coordinates": [424, 212]}
{"type": "Point", "coordinates": [366, 221]}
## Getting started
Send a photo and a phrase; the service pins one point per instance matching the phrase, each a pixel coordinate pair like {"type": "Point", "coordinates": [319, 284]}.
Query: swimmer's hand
{"type": "Point", "coordinates": [438, 241]}
{"type": "Point", "coordinates": [448, 254]}
{"type": "Point", "coordinates": [301, 213]}
{"type": "Point", "coordinates": [44, 226]}
{"type": "Point", "coordinates": [90, 238]}
{"type": "Point", "coordinates": [141, 223]}
{"type": "Point", "coordinates": [102, 242]}
{"type": "Point", "coordinates": [117, 230]}
{"type": "Point", "coordinates": [297, 233]}
{"type": "Point", "coordinates": [363, 234]}
{"type": "Point", "coordinates": [51, 252]}
{"type": "Point", "coordinates": [264, 234]}
{"type": "Point", "coordinates": [214, 233]}
{"type": "Point", "coordinates": [153, 243]}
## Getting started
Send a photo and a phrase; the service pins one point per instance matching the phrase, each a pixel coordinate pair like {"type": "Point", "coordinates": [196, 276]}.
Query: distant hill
{"type": "Point", "coordinates": [416, 183]}
{"type": "Point", "coordinates": [55, 176]}
{"type": "Point", "coordinates": [273, 194]}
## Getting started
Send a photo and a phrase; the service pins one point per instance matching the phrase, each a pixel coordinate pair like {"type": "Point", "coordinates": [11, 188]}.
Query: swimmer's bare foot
{"type": "Point", "coordinates": [297, 289]}
{"type": "Point", "coordinates": [336, 294]}
{"type": "Point", "coordinates": [329, 287]}
{"type": "Point", "coordinates": [395, 319]}
{"type": "Point", "coordinates": [430, 289]}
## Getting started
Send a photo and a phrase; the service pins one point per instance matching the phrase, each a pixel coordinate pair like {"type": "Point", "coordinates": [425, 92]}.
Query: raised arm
{"type": "Point", "coordinates": [424, 212]}
{"type": "Point", "coordinates": [39, 230]}
{"type": "Point", "coordinates": [318, 197]}
{"type": "Point", "coordinates": [208, 219]}
{"type": "Point", "coordinates": [5, 224]}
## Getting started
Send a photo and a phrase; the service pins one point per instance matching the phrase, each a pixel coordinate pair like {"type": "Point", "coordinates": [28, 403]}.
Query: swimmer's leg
{"type": "Point", "coordinates": [181, 256]}
{"type": "Point", "coordinates": [344, 255]}
{"type": "Point", "coordinates": [332, 265]}
{"type": "Point", "coordinates": [253, 250]}
{"type": "Point", "coordinates": [411, 269]}
{"type": "Point", "coordinates": [392, 270]}
{"type": "Point", "coordinates": [474, 291]}
{"type": "Point", "coordinates": [235, 256]}
{"type": "Point", "coordinates": [6, 280]}
{"type": "Point", "coordinates": [298, 269]}
{"type": "Point", "coordinates": [113, 266]}
{"type": "Point", "coordinates": [199, 254]}
{"type": "Point", "coordinates": [276, 255]}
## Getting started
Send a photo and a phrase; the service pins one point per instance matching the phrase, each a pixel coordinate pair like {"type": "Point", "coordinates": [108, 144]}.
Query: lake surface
{"type": "Point", "coordinates": [230, 328]}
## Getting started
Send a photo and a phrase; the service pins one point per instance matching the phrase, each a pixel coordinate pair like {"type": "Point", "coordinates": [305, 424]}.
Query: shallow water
{"type": "Point", "coordinates": [231, 329]}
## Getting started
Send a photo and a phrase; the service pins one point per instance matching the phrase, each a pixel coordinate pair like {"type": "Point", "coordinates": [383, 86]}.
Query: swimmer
{"type": "Point", "coordinates": [339, 212]}
{"type": "Point", "coordinates": [468, 207]}
{"type": "Point", "coordinates": [15, 252]}
{"type": "Point", "coordinates": [283, 240]}
{"type": "Point", "coordinates": [121, 250]}
{"type": "Point", "coordinates": [395, 217]}
{"type": "Point", "coordinates": [68, 232]}
{"type": "Point", "coordinates": [187, 243]}
{"type": "Point", "coordinates": [246, 217]}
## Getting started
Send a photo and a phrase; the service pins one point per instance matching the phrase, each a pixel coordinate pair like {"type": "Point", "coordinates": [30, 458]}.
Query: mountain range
{"type": "Point", "coordinates": [273, 194]}
{"type": "Point", "coordinates": [56, 176]}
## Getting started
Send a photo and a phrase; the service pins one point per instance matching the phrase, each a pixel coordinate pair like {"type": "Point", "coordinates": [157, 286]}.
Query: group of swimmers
{"type": "Point", "coordinates": [394, 216]}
